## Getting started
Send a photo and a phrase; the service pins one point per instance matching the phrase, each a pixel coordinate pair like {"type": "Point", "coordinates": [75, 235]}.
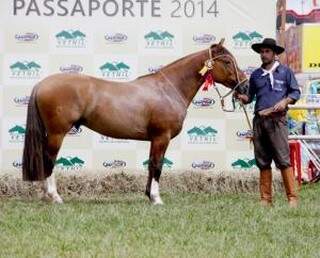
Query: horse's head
{"type": "Point", "coordinates": [225, 69]}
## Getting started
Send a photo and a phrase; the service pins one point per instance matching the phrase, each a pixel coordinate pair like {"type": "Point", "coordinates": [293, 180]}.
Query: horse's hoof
{"type": "Point", "coordinates": [156, 201]}
{"type": "Point", "coordinates": [53, 198]}
{"type": "Point", "coordinates": [57, 199]}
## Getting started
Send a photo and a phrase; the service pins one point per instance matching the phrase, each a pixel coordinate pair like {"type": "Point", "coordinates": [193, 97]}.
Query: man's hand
{"type": "Point", "coordinates": [282, 105]}
{"type": "Point", "coordinates": [242, 98]}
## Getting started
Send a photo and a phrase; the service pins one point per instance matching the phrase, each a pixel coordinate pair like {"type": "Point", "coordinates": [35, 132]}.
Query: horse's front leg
{"type": "Point", "coordinates": [157, 151]}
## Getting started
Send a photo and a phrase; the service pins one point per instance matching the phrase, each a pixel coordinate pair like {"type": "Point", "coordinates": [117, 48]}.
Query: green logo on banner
{"type": "Point", "coordinates": [115, 70]}
{"type": "Point", "coordinates": [71, 39]}
{"type": "Point", "coordinates": [25, 70]}
{"type": "Point", "coordinates": [244, 164]}
{"type": "Point", "coordinates": [69, 163]}
{"type": "Point", "coordinates": [17, 134]}
{"type": "Point", "coordinates": [159, 39]}
{"type": "Point", "coordinates": [165, 162]}
{"type": "Point", "coordinates": [202, 135]}
{"type": "Point", "coordinates": [246, 39]}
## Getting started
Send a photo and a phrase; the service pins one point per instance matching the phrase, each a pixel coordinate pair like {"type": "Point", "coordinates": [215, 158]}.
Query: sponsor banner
{"type": "Point", "coordinates": [73, 160]}
{"type": "Point", "coordinates": [13, 132]}
{"type": "Point", "coordinates": [26, 38]}
{"type": "Point", "coordinates": [239, 134]}
{"type": "Point", "coordinates": [197, 38]}
{"type": "Point", "coordinates": [243, 161]}
{"type": "Point", "coordinates": [203, 161]}
{"type": "Point", "coordinates": [205, 104]}
{"type": "Point", "coordinates": [116, 39]}
{"type": "Point", "coordinates": [78, 138]}
{"type": "Point", "coordinates": [151, 64]}
{"type": "Point", "coordinates": [311, 45]}
{"type": "Point", "coordinates": [109, 143]}
{"type": "Point", "coordinates": [1, 101]}
{"type": "Point", "coordinates": [171, 161]}
{"type": "Point", "coordinates": [24, 69]}
{"type": "Point", "coordinates": [110, 161]}
{"type": "Point", "coordinates": [15, 100]}
{"type": "Point", "coordinates": [119, 41]}
{"type": "Point", "coordinates": [204, 134]}
{"type": "Point", "coordinates": [160, 40]}
{"type": "Point", "coordinates": [2, 39]}
{"type": "Point", "coordinates": [11, 161]}
{"type": "Point", "coordinates": [70, 39]}
{"type": "Point", "coordinates": [1, 65]}
{"type": "Point", "coordinates": [174, 145]}
{"type": "Point", "coordinates": [116, 67]}
{"type": "Point", "coordinates": [71, 64]}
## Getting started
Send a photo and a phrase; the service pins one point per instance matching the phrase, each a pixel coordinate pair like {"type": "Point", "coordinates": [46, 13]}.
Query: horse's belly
{"type": "Point", "coordinates": [124, 127]}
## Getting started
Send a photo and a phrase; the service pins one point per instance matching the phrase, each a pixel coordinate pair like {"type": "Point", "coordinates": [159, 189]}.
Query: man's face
{"type": "Point", "coordinates": [267, 55]}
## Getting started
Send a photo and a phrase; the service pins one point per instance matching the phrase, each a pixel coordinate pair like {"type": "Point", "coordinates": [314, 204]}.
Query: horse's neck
{"type": "Point", "coordinates": [184, 75]}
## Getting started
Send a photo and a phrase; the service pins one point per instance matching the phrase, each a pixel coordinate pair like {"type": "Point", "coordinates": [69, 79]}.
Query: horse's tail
{"type": "Point", "coordinates": [35, 157]}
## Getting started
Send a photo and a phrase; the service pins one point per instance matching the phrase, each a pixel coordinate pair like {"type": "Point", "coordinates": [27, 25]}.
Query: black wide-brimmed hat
{"type": "Point", "coordinates": [268, 43]}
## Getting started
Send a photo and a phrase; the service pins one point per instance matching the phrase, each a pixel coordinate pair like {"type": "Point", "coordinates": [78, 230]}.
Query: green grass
{"type": "Point", "coordinates": [189, 225]}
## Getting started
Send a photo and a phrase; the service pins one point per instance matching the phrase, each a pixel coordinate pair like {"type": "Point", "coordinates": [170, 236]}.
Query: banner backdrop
{"type": "Point", "coordinates": [133, 37]}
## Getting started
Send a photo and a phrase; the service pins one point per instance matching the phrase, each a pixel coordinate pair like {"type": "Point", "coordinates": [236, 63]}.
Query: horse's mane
{"type": "Point", "coordinates": [222, 50]}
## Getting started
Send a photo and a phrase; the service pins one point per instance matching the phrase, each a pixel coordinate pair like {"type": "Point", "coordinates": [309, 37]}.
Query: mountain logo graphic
{"type": "Point", "coordinates": [244, 164]}
{"type": "Point", "coordinates": [25, 70]}
{"type": "Point", "coordinates": [165, 162]}
{"type": "Point", "coordinates": [71, 39]}
{"type": "Point", "coordinates": [159, 39]}
{"type": "Point", "coordinates": [246, 39]}
{"type": "Point", "coordinates": [202, 135]}
{"type": "Point", "coordinates": [17, 134]}
{"type": "Point", "coordinates": [115, 70]}
{"type": "Point", "coordinates": [69, 163]}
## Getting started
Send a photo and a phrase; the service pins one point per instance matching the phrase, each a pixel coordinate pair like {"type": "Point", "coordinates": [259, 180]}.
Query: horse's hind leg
{"type": "Point", "coordinates": [157, 151]}
{"type": "Point", "coordinates": [49, 185]}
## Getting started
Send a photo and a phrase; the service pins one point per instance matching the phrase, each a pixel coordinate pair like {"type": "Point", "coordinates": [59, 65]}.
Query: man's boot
{"type": "Point", "coordinates": [266, 187]}
{"type": "Point", "coordinates": [289, 185]}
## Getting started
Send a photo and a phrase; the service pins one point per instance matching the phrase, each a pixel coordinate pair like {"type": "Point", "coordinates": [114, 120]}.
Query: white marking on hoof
{"type": "Point", "coordinates": [56, 199]}
{"type": "Point", "coordinates": [50, 190]}
{"type": "Point", "coordinates": [156, 201]}
{"type": "Point", "coordinates": [154, 193]}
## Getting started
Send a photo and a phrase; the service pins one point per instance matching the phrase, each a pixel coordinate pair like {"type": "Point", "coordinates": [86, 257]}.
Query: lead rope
{"type": "Point", "coordinates": [209, 66]}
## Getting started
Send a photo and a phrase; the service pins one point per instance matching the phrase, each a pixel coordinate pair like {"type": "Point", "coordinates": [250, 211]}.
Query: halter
{"type": "Point", "coordinates": [208, 66]}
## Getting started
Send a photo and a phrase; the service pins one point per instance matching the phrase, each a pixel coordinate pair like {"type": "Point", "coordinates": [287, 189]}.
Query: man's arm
{"type": "Point", "coordinates": [249, 95]}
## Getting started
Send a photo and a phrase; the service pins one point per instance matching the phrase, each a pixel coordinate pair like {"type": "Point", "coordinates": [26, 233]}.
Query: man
{"type": "Point", "coordinates": [274, 87]}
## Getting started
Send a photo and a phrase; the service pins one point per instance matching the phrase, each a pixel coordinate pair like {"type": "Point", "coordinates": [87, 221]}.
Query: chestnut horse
{"type": "Point", "coordinates": [150, 108]}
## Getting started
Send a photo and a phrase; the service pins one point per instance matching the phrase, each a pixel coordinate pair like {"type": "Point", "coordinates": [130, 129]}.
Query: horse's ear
{"type": "Point", "coordinates": [221, 42]}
